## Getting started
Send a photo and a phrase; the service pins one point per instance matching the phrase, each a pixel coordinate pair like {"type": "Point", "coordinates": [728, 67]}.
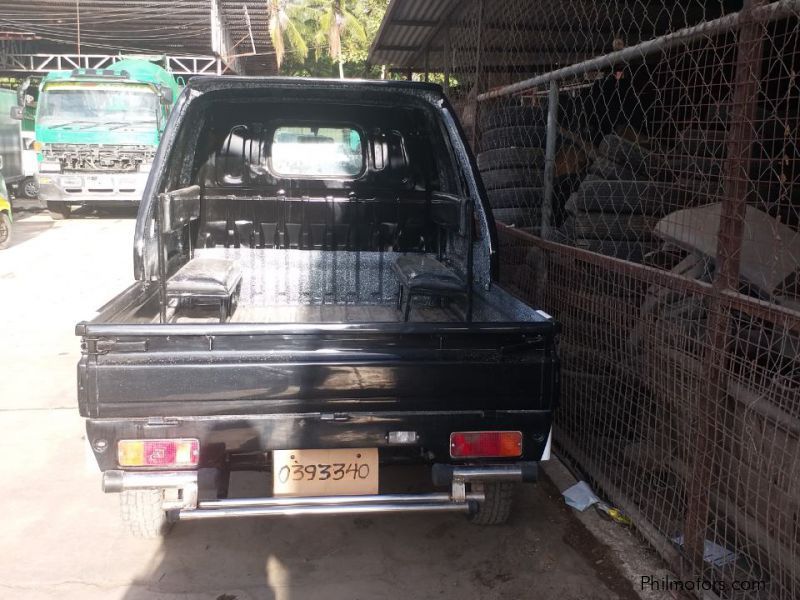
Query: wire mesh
{"type": "Point", "coordinates": [667, 244]}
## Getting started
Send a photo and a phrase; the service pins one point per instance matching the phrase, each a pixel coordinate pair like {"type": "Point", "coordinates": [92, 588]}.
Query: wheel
{"type": "Point", "coordinates": [516, 197]}
{"type": "Point", "coordinates": [59, 210]}
{"type": "Point", "coordinates": [142, 513]}
{"type": "Point", "coordinates": [496, 509]}
{"type": "Point", "coordinates": [508, 137]}
{"type": "Point", "coordinates": [608, 169]}
{"type": "Point", "coordinates": [30, 188]}
{"type": "Point", "coordinates": [511, 178]}
{"type": "Point", "coordinates": [5, 231]}
{"type": "Point", "coordinates": [636, 197]}
{"type": "Point", "coordinates": [606, 226]}
{"type": "Point", "coordinates": [503, 158]}
{"type": "Point", "coordinates": [517, 116]}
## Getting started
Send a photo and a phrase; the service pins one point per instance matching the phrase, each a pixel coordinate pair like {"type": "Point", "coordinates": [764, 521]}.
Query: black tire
{"type": "Point", "coordinates": [510, 137]}
{"type": "Point", "coordinates": [520, 217]}
{"type": "Point", "coordinates": [608, 169]}
{"type": "Point", "coordinates": [59, 210]}
{"type": "Point", "coordinates": [605, 226]}
{"type": "Point", "coordinates": [142, 513]}
{"type": "Point", "coordinates": [624, 152]}
{"type": "Point", "coordinates": [635, 197]}
{"type": "Point", "coordinates": [513, 116]}
{"type": "Point", "coordinates": [518, 197]}
{"type": "Point", "coordinates": [504, 158]}
{"type": "Point", "coordinates": [625, 250]}
{"type": "Point", "coordinates": [29, 188]}
{"type": "Point", "coordinates": [511, 178]}
{"type": "Point", "coordinates": [496, 509]}
{"type": "Point", "coordinates": [5, 231]}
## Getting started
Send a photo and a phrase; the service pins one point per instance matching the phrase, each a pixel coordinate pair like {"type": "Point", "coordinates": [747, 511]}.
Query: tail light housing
{"type": "Point", "coordinates": [485, 444]}
{"type": "Point", "coordinates": [174, 453]}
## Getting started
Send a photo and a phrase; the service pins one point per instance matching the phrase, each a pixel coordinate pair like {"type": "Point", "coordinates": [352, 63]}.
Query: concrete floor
{"type": "Point", "coordinates": [61, 537]}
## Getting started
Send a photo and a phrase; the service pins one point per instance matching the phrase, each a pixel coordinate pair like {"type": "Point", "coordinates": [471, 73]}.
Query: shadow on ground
{"type": "Point", "coordinates": [544, 552]}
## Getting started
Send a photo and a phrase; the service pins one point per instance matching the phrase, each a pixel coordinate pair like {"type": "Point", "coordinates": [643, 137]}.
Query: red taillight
{"type": "Point", "coordinates": [485, 444]}
{"type": "Point", "coordinates": [158, 453]}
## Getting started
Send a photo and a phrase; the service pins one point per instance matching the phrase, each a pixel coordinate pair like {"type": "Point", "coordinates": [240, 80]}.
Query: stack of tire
{"type": "Point", "coordinates": [511, 161]}
{"type": "Point", "coordinates": [616, 206]}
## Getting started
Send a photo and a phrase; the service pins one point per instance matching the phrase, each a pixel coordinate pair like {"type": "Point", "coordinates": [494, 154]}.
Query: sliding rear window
{"type": "Point", "coordinates": [310, 151]}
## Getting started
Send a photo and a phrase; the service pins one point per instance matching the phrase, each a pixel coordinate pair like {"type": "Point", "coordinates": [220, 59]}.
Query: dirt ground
{"type": "Point", "coordinates": [61, 537]}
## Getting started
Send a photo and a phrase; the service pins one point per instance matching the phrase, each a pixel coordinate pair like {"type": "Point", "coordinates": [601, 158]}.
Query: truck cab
{"type": "Point", "coordinates": [98, 131]}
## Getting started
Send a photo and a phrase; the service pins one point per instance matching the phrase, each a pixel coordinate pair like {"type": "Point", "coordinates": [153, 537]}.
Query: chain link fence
{"type": "Point", "coordinates": [642, 159]}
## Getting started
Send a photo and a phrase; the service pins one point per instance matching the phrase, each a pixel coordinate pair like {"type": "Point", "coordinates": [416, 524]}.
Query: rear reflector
{"type": "Point", "coordinates": [485, 444]}
{"type": "Point", "coordinates": [158, 453]}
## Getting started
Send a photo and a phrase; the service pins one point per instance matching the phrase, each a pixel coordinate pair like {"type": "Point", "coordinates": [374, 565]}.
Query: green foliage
{"type": "Point", "coordinates": [335, 35]}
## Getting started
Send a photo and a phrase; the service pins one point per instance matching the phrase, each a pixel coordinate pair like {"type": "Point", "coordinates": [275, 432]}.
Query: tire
{"type": "Point", "coordinates": [59, 210]}
{"type": "Point", "coordinates": [633, 197]}
{"type": "Point", "coordinates": [624, 152]}
{"type": "Point", "coordinates": [625, 250]}
{"type": "Point", "coordinates": [605, 226]}
{"type": "Point", "coordinates": [142, 513]}
{"type": "Point", "coordinates": [5, 231]}
{"type": "Point", "coordinates": [511, 178]}
{"type": "Point", "coordinates": [520, 217]}
{"type": "Point", "coordinates": [29, 188]}
{"type": "Point", "coordinates": [607, 169]}
{"type": "Point", "coordinates": [528, 197]}
{"type": "Point", "coordinates": [503, 158]}
{"type": "Point", "coordinates": [510, 137]}
{"type": "Point", "coordinates": [513, 116]}
{"type": "Point", "coordinates": [496, 509]}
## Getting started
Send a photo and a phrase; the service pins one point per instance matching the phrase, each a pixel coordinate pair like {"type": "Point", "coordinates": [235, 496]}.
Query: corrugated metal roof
{"type": "Point", "coordinates": [142, 26]}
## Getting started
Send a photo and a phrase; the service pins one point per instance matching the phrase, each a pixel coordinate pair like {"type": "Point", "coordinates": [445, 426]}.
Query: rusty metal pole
{"type": "Point", "coordinates": [706, 422]}
{"type": "Point", "coordinates": [427, 64]}
{"type": "Point", "coordinates": [478, 56]}
{"type": "Point", "coordinates": [447, 60]}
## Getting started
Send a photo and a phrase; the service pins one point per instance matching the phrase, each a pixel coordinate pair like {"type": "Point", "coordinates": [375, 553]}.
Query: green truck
{"type": "Point", "coordinates": [98, 131]}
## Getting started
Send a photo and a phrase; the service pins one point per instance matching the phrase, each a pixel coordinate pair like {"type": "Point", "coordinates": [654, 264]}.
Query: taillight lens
{"type": "Point", "coordinates": [485, 444]}
{"type": "Point", "coordinates": [158, 453]}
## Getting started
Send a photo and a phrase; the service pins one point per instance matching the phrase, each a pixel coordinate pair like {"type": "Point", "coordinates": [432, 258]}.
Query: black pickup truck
{"type": "Point", "coordinates": [315, 298]}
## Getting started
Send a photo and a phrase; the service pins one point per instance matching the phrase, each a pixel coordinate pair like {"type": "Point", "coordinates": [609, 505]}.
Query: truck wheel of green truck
{"type": "Point", "coordinates": [142, 513]}
{"type": "Point", "coordinates": [59, 210]}
{"type": "Point", "coordinates": [496, 509]}
{"type": "Point", "coordinates": [5, 231]}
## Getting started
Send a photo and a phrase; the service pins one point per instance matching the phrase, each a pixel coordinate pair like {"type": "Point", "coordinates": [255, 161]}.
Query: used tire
{"type": "Point", "coordinates": [5, 231]}
{"type": "Point", "coordinates": [142, 513]}
{"type": "Point", "coordinates": [521, 217]}
{"type": "Point", "coordinates": [496, 509]}
{"type": "Point", "coordinates": [503, 158]}
{"type": "Point", "coordinates": [513, 116]}
{"type": "Point", "coordinates": [635, 197]}
{"type": "Point", "coordinates": [59, 210]}
{"type": "Point", "coordinates": [624, 152]}
{"type": "Point", "coordinates": [605, 226]}
{"type": "Point", "coordinates": [509, 137]}
{"type": "Point", "coordinates": [608, 169]}
{"type": "Point", "coordinates": [625, 250]}
{"type": "Point", "coordinates": [528, 197]}
{"type": "Point", "coordinates": [511, 178]}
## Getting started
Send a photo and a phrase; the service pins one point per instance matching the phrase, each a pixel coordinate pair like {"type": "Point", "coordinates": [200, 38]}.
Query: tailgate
{"type": "Point", "coordinates": [137, 370]}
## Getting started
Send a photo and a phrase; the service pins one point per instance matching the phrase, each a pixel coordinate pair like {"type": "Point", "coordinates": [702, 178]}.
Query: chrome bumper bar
{"type": "Point", "coordinates": [188, 508]}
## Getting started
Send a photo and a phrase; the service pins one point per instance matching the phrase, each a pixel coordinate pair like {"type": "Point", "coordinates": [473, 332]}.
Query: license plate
{"type": "Point", "coordinates": [341, 472]}
{"type": "Point", "coordinates": [99, 183]}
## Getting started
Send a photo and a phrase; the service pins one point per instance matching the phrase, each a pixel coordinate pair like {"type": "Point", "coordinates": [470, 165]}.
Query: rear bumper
{"type": "Point", "coordinates": [189, 507]}
{"type": "Point", "coordinates": [88, 188]}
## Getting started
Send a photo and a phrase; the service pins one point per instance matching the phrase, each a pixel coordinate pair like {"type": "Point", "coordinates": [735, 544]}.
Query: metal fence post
{"type": "Point", "coordinates": [550, 159]}
{"type": "Point", "coordinates": [478, 53]}
{"type": "Point", "coordinates": [712, 396]}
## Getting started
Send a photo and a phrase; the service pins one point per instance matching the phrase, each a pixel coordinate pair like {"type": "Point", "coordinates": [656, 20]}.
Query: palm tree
{"type": "Point", "coordinates": [286, 23]}
{"type": "Point", "coordinates": [335, 23]}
